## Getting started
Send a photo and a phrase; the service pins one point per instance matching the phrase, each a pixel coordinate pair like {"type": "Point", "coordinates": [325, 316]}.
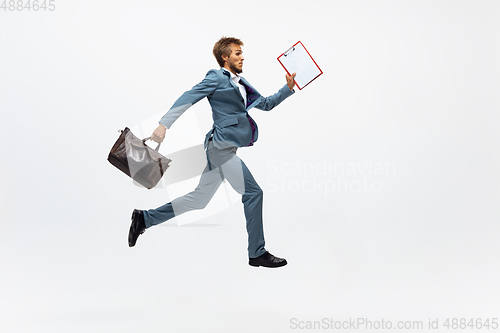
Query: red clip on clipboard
{"type": "Point", "coordinates": [298, 60]}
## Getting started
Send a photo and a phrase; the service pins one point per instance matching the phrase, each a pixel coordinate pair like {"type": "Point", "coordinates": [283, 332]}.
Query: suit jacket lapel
{"type": "Point", "coordinates": [252, 94]}
{"type": "Point", "coordinates": [232, 82]}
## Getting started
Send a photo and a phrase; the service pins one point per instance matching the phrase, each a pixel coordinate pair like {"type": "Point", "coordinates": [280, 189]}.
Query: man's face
{"type": "Point", "coordinates": [235, 61]}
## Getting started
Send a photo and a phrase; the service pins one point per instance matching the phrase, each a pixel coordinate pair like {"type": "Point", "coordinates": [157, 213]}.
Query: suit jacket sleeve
{"type": "Point", "coordinates": [190, 97]}
{"type": "Point", "coordinates": [268, 103]}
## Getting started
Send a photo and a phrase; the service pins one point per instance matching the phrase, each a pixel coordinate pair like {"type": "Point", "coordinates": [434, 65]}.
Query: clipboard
{"type": "Point", "coordinates": [298, 60]}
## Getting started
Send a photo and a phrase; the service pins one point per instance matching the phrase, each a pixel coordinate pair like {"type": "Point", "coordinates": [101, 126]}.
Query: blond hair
{"type": "Point", "coordinates": [223, 47]}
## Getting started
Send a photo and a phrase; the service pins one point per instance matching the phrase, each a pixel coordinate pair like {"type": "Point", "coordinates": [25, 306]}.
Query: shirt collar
{"type": "Point", "coordinates": [234, 77]}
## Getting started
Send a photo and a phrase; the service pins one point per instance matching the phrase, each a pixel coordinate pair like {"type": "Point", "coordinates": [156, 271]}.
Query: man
{"type": "Point", "coordinates": [230, 97]}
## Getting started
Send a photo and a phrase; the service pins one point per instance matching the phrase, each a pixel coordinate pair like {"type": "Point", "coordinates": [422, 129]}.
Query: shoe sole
{"type": "Point", "coordinates": [259, 265]}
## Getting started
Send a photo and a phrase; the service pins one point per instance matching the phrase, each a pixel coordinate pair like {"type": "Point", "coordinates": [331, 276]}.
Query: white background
{"type": "Point", "coordinates": [408, 85]}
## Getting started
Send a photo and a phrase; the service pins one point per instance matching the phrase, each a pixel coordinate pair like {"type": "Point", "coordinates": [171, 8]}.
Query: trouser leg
{"type": "Point", "coordinates": [241, 179]}
{"type": "Point", "coordinates": [210, 181]}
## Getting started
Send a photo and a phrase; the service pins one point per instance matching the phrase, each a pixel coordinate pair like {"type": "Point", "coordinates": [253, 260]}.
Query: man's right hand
{"type": "Point", "coordinates": [159, 133]}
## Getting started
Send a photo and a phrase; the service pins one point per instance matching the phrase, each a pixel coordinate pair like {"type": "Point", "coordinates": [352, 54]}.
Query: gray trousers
{"type": "Point", "coordinates": [221, 163]}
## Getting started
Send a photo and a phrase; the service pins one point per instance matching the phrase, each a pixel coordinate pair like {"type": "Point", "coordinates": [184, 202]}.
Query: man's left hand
{"type": "Point", "coordinates": [289, 80]}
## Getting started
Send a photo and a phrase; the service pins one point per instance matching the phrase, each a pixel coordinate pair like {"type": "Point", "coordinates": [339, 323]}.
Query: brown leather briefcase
{"type": "Point", "coordinates": [138, 161]}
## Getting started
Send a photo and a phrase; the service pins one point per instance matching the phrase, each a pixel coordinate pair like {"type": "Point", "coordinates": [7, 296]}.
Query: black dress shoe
{"type": "Point", "coordinates": [137, 227]}
{"type": "Point", "coordinates": [267, 260]}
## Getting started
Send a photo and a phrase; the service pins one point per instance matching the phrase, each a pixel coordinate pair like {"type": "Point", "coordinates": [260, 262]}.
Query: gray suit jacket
{"type": "Point", "coordinates": [233, 126]}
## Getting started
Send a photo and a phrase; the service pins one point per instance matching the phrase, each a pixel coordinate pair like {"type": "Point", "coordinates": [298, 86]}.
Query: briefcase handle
{"type": "Point", "coordinates": [149, 138]}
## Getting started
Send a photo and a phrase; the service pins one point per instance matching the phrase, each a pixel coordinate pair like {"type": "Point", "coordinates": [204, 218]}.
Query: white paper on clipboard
{"type": "Point", "coordinates": [297, 60]}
